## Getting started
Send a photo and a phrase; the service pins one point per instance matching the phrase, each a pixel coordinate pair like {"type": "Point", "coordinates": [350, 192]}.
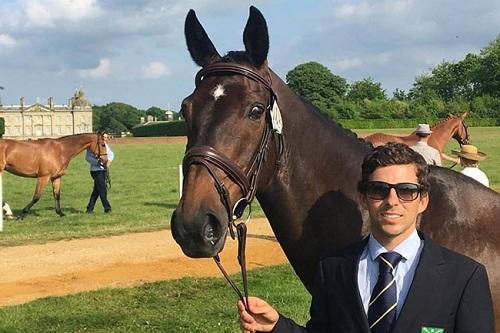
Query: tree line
{"type": "Point", "coordinates": [118, 117]}
{"type": "Point", "coordinates": [469, 85]}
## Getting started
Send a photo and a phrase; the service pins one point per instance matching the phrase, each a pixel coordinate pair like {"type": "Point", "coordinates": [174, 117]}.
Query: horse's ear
{"type": "Point", "coordinates": [464, 115]}
{"type": "Point", "coordinates": [199, 44]}
{"type": "Point", "coordinates": [256, 37]}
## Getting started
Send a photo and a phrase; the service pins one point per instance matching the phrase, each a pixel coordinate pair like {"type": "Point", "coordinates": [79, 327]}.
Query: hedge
{"type": "Point", "coordinates": [161, 128]}
{"type": "Point", "coordinates": [2, 127]}
{"type": "Point", "coordinates": [178, 128]}
{"type": "Point", "coordinates": [410, 123]}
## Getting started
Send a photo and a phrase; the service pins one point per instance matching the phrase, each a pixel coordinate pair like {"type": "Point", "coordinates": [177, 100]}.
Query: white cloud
{"type": "Point", "coordinates": [155, 70]}
{"type": "Point", "coordinates": [346, 63]}
{"type": "Point", "coordinates": [44, 13]}
{"type": "Point", "coordinates": [102, 70]}
{"type": "Point", "coordinates": [7, 41]}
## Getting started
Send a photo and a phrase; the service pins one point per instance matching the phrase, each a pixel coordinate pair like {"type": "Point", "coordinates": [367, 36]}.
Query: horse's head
{"type": "Point", "coordinates": [227, 117]}
{"type": "Point", "coordinates": [461, 134]}
{"type": "Point", "coordinates": [98, 147]}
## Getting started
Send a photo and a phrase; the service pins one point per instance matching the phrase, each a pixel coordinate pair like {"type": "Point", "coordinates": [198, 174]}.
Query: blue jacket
{"type": "Point", "coordinates": [94, 164]}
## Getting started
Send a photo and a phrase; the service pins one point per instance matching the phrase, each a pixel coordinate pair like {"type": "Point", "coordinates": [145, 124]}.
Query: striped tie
{"type": "Point", "coordinates": [382, 307]}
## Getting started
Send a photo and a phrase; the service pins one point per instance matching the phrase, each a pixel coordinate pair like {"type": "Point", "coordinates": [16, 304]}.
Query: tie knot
{"type": "Point", "coordinates": [388, 261]}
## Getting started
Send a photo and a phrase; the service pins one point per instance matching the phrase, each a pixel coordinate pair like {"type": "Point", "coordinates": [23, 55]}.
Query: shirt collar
{"type": "Point", "coordinates": [407, 249]}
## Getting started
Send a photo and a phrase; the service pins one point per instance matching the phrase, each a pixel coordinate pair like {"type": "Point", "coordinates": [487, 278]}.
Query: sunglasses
{"type": "Point", "coordinates": [380, 190]}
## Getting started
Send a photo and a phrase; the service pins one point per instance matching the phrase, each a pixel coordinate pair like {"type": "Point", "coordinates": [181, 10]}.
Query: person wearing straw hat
{"type": "Point", "coordinates": [469, 159]}
{"type": "Point", "coordinates": [430, 154]}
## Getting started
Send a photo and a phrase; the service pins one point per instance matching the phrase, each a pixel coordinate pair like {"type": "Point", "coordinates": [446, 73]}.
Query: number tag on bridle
{"type": "Point", "coordinates": [276, 120]}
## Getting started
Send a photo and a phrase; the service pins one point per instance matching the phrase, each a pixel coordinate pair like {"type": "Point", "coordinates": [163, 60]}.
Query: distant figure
{"type": "Point", "coordinates": [7, 211]}
{"type": "Point", "coordinates": [98, 171]}
{"type": "Point", "coordinates": [469, 160]}
{"type": "Point", "coordinates": [431, 155]}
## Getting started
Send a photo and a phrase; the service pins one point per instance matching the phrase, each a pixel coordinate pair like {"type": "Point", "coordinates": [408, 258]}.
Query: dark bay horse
{"type": "Point", "coordinates": [442, 132]}
{"type": "Point", "coordinates": [46, 159]}
{"type": "Point", "coordinates": [305, 179]}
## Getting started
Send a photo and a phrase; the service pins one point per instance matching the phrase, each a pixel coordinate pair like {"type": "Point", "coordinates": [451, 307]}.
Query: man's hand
{"type": "Point", "coordinates": [261, 317]}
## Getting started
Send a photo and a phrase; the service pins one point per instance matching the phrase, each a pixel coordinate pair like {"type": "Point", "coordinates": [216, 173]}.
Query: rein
{"type": "Point", "coordinates": [212, 159]}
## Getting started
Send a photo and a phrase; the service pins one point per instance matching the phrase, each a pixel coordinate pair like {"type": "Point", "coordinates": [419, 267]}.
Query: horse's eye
{"type": "Point", "coordinates": [255, 112]}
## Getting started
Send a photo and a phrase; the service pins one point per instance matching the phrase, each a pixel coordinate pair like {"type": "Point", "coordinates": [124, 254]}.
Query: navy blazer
{"type": "Point", "coordinates": [449, 292]}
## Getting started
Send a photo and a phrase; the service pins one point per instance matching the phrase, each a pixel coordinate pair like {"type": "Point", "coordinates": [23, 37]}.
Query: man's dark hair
{"type": "Point", "coordinates": [394, 154]}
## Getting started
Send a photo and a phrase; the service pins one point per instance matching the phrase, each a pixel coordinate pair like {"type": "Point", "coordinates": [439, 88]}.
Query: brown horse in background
{"type": "Point", "coordinates": [46, 159]}
{"type": "Point", "coordinates": [305, 179]}
{"type": "Point", "coordinates": [442, 132]}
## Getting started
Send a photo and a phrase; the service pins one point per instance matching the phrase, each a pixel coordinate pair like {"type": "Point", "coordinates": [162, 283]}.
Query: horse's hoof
{"type": "Point", "coordinates": [61, 214]}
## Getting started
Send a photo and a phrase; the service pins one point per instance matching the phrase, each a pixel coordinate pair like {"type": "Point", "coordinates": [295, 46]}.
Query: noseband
{"type": "Point", "coordinates": [212, 159]}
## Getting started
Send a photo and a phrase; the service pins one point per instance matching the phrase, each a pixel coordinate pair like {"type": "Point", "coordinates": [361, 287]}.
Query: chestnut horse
{"type": "Point", "coordinates": [442, 132]}
{"type": "Point", "coordinates": [46, 159]}
{"type": "Point", "coordinates": [305, 179]}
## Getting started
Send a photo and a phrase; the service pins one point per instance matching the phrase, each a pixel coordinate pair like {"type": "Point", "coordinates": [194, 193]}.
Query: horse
{"type": "Point", "coordinates": [442, 132]}
{"type": "Point", "coordinates": [304, 178]}
{"type": "Point", "coordinates": [46, 159]}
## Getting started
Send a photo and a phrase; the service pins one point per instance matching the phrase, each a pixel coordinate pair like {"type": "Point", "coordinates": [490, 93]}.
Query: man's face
{"type": "Point", "coordinates": [392, 219]}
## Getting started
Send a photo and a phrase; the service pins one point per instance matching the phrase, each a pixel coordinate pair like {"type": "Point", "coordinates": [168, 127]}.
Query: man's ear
{"type": "Point", "coordinates": [424, 202]}
{"type": "Point", "coordinates": [362, 200]}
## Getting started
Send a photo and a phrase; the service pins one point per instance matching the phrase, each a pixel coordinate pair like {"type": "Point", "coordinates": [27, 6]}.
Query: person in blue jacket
{"type": "Point", "coordinates": [98, 171]}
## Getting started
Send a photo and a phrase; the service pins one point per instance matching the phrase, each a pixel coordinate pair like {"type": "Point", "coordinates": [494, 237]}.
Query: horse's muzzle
{"type": "Point", "coordinates": [201, 237]}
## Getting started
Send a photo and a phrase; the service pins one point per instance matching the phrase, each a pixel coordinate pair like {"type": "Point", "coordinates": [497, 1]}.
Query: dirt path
{"type": "Point", "coordinates": [58, 268]}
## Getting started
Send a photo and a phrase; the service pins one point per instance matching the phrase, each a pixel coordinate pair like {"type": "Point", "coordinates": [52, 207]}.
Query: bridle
{"type": "Point", "coordinates": [466, 140]}
{"type": "Point", "coordinates": [212, 159]}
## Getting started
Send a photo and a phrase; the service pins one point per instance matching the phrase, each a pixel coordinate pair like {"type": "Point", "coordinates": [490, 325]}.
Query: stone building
{"type": "Point", "coordinates": [47, 120]}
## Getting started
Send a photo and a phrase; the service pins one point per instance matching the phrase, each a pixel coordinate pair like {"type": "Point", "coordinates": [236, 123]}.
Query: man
{"type": "Point", "coordinates": [430, 154]}
{"type": "Point", "coordinates": [397, 279]}
{"type": "Point", "coordinates": [98, 171]}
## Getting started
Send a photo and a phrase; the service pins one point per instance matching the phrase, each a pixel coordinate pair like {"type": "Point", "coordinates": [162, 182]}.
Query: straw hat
{"type": "Point", "coordinates": [423, 129]}
{"type": "Point", "coordinates": [470, 152]}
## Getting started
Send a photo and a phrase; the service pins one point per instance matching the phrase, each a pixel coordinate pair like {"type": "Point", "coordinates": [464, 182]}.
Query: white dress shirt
{"type": "Point", "coordinates": [477, 174]}
{"type": "Point", "coordinates": [410, 250]}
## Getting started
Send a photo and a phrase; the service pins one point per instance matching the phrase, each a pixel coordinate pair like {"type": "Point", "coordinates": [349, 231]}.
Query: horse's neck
{"type": "Point", "coordinates": [73, 145]}
{"type": "Point", "coordinates": [441, 134]}
{"type": "Point", "coordinates": [320, 160]}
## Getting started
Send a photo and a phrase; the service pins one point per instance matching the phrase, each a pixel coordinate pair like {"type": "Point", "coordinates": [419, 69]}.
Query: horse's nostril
{"type": "Point", "coordinates": [212, 230]}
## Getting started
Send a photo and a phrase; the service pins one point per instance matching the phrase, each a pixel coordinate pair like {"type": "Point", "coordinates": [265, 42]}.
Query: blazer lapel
{"type": "Point", "coordinates": [425, 285]}
{"type": "Point", "coordinates": [350, 281]}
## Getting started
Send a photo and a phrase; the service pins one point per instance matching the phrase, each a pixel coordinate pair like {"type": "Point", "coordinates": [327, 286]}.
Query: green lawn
{"type": "Point", "coordinates": [185, 305]}
{"type": "Point", "coordinates": [143, 194]}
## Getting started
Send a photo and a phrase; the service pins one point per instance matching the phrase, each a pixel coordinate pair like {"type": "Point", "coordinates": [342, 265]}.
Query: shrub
{"type": "Point", "coordinates": [161, 128]}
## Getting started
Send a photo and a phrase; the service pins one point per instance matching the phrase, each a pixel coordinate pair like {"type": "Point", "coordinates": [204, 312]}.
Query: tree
{"type": "Point", "coordinates": [116, 117]}
{"type": "Point", "coordinates": [156, 112]}
{"type": "Point", "coordinates": [487, 75]}
{"type": "Point", "coordinates": [317, 84]}
{"type": "Point", "coordinates": [366, 89]}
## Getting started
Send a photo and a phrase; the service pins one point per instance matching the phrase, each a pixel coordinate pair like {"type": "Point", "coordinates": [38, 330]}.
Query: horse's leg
{"type": "Point", "coordinates": [56, 190]}
{"type": "Point", "coordinates": [40, 186]}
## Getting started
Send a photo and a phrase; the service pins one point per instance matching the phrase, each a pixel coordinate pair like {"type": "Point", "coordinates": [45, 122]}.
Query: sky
{"type": "Point", "coordinates": [134, 51]}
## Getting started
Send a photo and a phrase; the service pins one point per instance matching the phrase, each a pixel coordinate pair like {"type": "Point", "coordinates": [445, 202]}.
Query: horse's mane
{"type": "Point", "coordinates": [451, 116]}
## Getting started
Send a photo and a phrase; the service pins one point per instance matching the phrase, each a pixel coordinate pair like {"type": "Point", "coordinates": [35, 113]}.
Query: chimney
{"type": "Point", "coordinates": [49, 101]}
{"type": "Point", "coordinates": [21, 101]}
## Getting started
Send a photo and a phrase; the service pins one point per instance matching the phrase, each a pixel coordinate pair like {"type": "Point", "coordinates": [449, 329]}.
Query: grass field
{"type": "Point", "coordinates": [187, 305]}
{"type": "Point", "coordinates": [144, 192]}
{"type": "Point", "coordinates": [143, 196]}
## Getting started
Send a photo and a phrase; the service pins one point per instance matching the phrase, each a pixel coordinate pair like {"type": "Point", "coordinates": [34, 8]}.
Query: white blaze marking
{"type": "Point", "coordinates": [218, 91]}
